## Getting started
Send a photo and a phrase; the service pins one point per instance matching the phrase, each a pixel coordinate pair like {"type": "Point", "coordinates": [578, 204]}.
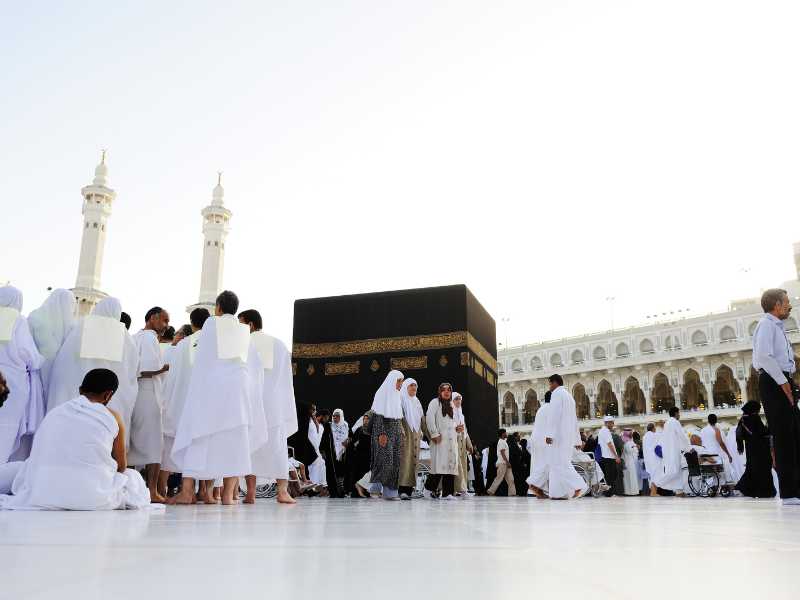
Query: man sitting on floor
{"type": "Point", "coordinates": [78, 459]}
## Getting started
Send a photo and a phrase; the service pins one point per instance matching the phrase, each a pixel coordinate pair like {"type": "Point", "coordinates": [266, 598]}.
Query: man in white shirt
{"type": "Point", "coordinates": [610, 462]}
{"type": "Point", "coordinates": [147, 429]}
{"type": "Point", "coordinates": [503, 467]}
{"type": "Point", "coordinates": [773, 358]}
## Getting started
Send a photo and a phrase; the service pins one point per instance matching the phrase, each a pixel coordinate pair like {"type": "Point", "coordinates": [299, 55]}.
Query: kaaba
{"type": "Point", "coordinates": [344, 346]}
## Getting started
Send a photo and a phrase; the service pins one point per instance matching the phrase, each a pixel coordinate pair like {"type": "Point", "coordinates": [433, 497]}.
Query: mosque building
{"type": "Point", "coordinates": [98, 200]}
{"type": "Point", "coordinates": [701, 364]}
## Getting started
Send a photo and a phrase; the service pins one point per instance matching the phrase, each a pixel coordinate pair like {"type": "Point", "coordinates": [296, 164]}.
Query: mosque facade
{"type": "Point", "coordinates": [701, 364]}
{"type": "Point", "coordinates": [98, 201]}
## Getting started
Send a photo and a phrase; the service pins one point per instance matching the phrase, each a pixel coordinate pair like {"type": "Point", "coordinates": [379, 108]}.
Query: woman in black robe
{"type": "Point", "coordinates": [328, 452]}
{"type": "Point", "coordinates": [303, 449]}
{"type": "Point", "coordinates": [753, 438]}
{"type": "Point", "coordinates": [358, 456]}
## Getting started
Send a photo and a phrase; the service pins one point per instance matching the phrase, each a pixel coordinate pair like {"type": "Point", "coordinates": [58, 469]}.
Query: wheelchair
{"type": "Point", "coordinates": [705, 479]}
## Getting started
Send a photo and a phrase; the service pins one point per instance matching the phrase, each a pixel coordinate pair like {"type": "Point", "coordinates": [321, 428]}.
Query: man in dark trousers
{"type": "Point", "coordinates": [773, 358]}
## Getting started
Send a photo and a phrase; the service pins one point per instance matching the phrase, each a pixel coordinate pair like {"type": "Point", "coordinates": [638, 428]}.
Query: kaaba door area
{"type": "Point", "coordinates": [344, 346]}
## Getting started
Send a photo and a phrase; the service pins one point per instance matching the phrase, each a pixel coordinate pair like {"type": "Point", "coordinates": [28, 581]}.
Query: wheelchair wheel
{"type": "Point", "coordinates": [712, 484]}
{"type": "Point", "coordinates": [696, 485]}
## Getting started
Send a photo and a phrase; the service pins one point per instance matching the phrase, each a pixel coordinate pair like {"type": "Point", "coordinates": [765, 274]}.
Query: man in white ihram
{"type": "Point", "coordinates": [540, 470]}
{"type": "Point", "coordinates": [562, 437]}
{"type": "Point", "coordinates": [674, 443]}
{"type": "Point", "coordinates": [78, 459]}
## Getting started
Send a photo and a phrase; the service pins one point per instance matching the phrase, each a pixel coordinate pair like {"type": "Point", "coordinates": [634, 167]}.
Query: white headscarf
{"type": "Point", "coordinates": [412, 409]}
{"type": "Point", "coordinates": [108, 307]}
{"type": "Point", "coordinates": [458, 413]}
{"type": "Point", "coordinates": [340, 431]}
{"type": "Point", "coordinates": [11, 297]}
{"type": "Point", "coordinates": [51, 322]}
{"type": "Point", "coordinates": [358, 424]}
{"type": "Point", "coordinates": [387, 402]}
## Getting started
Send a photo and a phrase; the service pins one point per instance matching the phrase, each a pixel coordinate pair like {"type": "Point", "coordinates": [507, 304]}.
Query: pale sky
{"type": "Point", "coordinates": [548, 154]}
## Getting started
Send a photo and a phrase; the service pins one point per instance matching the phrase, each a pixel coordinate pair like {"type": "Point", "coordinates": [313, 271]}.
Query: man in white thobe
{"type": "Point", "coordinates": [217, 432]}
{"type": "Point", "coordinates": [176, 390]}
{"type": "Point", "coordinates": [540, 470]}
{"type": "Point", "coordinates": [674, 442]}
{"type": "Point", "coordinates": [98, 341]}
{"type": "Point", "coordinates": [562, 437]}
{"type": "Point", "coordinates": [271, 460]}
{"type": "Point", "coordinates": [20, 362]}
{"type": "Point", "coordinates": [78, 458]}
{"type": "Point", "coordinates": [652, 462]}
{"type": "Point", "coordinates": [147, 429]}
{"type": "Point", "coordinates": [713, 442]}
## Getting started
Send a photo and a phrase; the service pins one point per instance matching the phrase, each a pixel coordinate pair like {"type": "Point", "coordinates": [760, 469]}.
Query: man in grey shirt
{"type": "Point", "coordinates": [773, 358]}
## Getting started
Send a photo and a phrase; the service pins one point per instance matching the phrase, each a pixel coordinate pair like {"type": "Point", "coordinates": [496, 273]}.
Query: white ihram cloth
{"type": "Point", "coordinates": [114, 351]}
{"type": "Point", "coordinates": [540, 469]}
{"type": "Point", "coordinates": [176, 389]}
{"type": "Point", "coordinates": [652, 462]}
{"type": "Point", "coordinates": [316, 470]}
{"type": "Point", "coordinates": [562, 428]}
{"type": "Point", "coordinates": [673, 444]}
{"type": "Point", "coordinates": [630, 472]}
{"type": "Point", "coordinates": [50, 324]}
{"type": "Point", "coordinates": [217, 431]}
{"type": "Point", "coordinates": [708, 435]}
{"type": "Point", "coordinates": [71, 466]}
{"type": "Point", "coordinates": [274, 362]}
{"type": "Point", "coordinates": [738, 464]}
{"type": "Point", "coordinates": [20, 362]}
{"type": "Point", "coordinates": [147, 430]}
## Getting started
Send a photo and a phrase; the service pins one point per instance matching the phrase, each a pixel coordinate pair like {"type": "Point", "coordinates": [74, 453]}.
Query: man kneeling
{"type": "Point", "coordinates": [78, 459]}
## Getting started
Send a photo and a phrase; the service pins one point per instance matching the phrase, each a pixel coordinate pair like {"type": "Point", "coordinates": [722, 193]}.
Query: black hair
{"type": "Point", "coordinates": [771, 297]}
{"type": "Point", "coordinates": [125, 318]}
{"type": "Point", "coordinates": [651, 427]}
{"type": "Point", "coordinates": [156, 310]}
{"type": "Point", "coordinates": [524, 442]}
{"type": "Point", "coordinates": [186, 330]}
{"type": "Point", "coordinates": [228, 302]}
{"type": "Point", "coordinates": [98, 381]}
{"type": "Point", "coordinates": [252, 317]}
{"type": "Point", "coordinates": [556, 378]}
{"type": "Point", "coordinates": [198, 317]}
{"type": "Point", "coordinates": [169, 333]}
{"type": "Point", "coordinates": [547, 395]}
{"type": "Point", "coordinates": [712, 419]}
{"type": "Point", "coordinates": [500, 432]}
{"type": "Point", "coordinates": [323, 412]}
{"type": "Point", "coordinates": [673, 411]}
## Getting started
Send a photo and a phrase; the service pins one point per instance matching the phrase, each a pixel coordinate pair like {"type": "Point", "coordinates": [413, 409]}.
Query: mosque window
{"type": "Point", "coordinates": [94, 225]}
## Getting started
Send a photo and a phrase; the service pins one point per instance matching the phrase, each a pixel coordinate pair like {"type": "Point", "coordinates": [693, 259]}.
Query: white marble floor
{"type": "Point", "coordinates": [479, 548]}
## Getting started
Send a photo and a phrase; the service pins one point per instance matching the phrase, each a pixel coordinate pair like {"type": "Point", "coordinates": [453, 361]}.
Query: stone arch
{"type": "Point", "coordinates": [727, 334]}
{"type": "Point", "coordinates": [693, 392]}
{"type": "Point", "coordinates": [662, 397]}
{"type": "Point", "coordinates": [751, 329]}
{"type": "Point", "coordinates": [672, 342]}
{"type": "Point", "coordinates": [647, 346]}
{"type": "Point", "coordinates": [726, 390]}
{"type": "Point", "coordinates": [556, 360]}
{"type": "Point", "coordinates": [622, 350]}
{"type": "Point", "coordinates": [516, 365]}
{"type": "Point", "coordinates": [752, 385]}
{"type": "Point", "coordinates": [633, 397]}
{"type": "Point", "coordinates": [581, 401]}
{"type": "Point", "coordinates": [531, 407]}
{"type": "Point", "coordinates": [576, 357]}
{"type": "Point", "coordinates": [606, 400]}
{"type": "Point", "coordinates": [510, 416]}
{"type": "Point", "coordinates": [599, 353]}
{"type": "Point", "coordinates": [699, 338]}
{"type": "Point", "coordinates": [536, 363]}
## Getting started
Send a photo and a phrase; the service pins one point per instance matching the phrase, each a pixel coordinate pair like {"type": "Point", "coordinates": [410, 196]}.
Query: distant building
{"type": "Point", "coordinates": [701, 364]}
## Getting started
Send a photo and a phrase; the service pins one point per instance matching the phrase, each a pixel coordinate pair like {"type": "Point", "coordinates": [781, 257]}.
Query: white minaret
{"type": "Point", "coordinates": [97, 201]}
{"type": "Point", "coordinates": [216, 224]}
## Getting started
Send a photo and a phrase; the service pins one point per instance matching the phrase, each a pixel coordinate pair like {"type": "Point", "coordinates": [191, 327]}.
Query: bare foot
{"type": "Point", "coordinates": [283, 497]}
{"type": "Point", "coordinates": [250, 498]}
{"type": "Point", "coordinates": [156, 498]}
{"type": "Point", "coordinates": [182, 498]}
{"type": "Point", "coordinates": [577, 494]}
{"type": "Point", "coordinates": [361, 491]}
{"type": "Point", "coordinates": [229, 500]}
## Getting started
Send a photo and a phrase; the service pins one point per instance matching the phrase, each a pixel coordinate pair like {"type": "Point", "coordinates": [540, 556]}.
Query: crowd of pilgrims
{"type": "Point", "coordinates": [92, 417]}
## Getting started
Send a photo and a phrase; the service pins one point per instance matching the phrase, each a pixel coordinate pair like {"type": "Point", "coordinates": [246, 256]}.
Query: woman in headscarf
{"type": "Point", "coordinates": [464, 446]}
{"type": "Point", "coordinates": [341, 434]}
{"type": "Point", "coordinates": [752, 437]}
{"type": "Point", "coordinates": [413, 425]}
{"type": "Point", "coordinates": [50, 324]}
{"type": "Point", "coordinates": [385, 429]}
{"type": "Point", "coordinates": [20, 362]}
{"type": "Point", "coordinates": [630, 459]}
{"type": "Point", "coordinates": [444, 444]}
{"type": "Point", "coordinates": [358, 457]}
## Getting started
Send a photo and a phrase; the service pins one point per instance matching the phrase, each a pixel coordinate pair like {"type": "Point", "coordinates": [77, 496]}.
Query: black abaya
{"type": "Point", "coordinates": [757, 479]}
